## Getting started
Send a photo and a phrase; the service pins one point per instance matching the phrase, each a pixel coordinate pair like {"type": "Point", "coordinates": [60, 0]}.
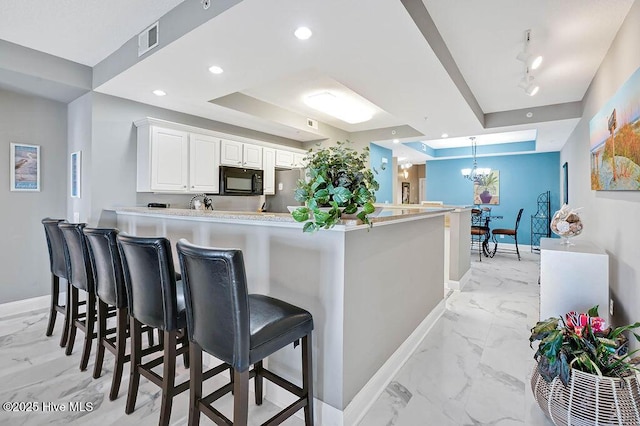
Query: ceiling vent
{"type": "Point", "coordinates": [148, 39]}
{"type": "Point", "coordinates": [312, 123]}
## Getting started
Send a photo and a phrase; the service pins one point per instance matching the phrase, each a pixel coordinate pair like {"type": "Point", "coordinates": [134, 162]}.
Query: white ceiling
{"type": "Point", "coordinates": [371, 48]}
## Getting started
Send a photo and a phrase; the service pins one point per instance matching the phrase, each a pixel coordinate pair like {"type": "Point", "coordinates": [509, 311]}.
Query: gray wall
{"type": "Point", "coordinates": [25, 262]}
{"type": "Point", "coordinates": [610, 218]}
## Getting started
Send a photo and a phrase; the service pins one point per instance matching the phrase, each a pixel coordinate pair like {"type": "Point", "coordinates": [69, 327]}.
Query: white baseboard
{"type": "Point", "coordinates": [459, 285]}
{"type": "Point", "coordinates": [26, 305]}
{"type": "Point", "coordinates": [327, 415]}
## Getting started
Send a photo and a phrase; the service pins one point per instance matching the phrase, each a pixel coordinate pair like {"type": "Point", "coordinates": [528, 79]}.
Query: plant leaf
{"type": "Point", "coordinates": [615, 333]}
{"type": "Point", "coordinates": [542, 329]}
{"type": "Point", "coordinates": [368, 208]}
{"type": "Point", "coordinates": [300, 214]}
{"type": "Point", "coordinates": [593, 312]}
{"type": "Point", "coordinates": [301, 194]}
{"type": "Point", "coordinates": [310, 227]}
{"type": "Point", "coordinates": [351, 208]}
{"type": "Point", "coordinates": [321, 217]}
{"type": "Point", "coordinates": [341, 195]}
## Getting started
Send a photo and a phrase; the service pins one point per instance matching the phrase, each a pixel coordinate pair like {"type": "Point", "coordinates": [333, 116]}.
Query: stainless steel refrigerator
{"type": "Point", "coordinates": [286, 182]}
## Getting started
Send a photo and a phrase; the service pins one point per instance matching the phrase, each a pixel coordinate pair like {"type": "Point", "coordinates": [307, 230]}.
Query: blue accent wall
{"type": "Point", "coordinates": [522, 178]}
{"type": "Point", "coordinates": [384, 177]}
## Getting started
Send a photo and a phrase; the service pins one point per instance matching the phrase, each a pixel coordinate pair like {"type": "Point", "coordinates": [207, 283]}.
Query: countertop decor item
{"type": "Point", "coordinates": [584, 374]}
{"type": "Point", "coordinates": [339, 178]}
{"type": "Point", "coordinates": [566, 223]}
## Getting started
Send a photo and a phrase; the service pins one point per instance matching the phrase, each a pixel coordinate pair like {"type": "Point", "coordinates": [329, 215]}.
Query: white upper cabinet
{"type": "Point", "coordinates": [176, 161]}
{"type": "Point", "coordinates": [269, 168]}
{"type": "Point", "coordinates": [298, 160]}
{"type": "Point", "coordinates": [238, 154]}
{"type": "Point", "coordinates": [284, 158]}
{"type": "Point", "coordinates": [169, 160]}
{"type": "Point", "coordinates": [289, 159]}
{"type": "Point", "coordinates": [204, 164]}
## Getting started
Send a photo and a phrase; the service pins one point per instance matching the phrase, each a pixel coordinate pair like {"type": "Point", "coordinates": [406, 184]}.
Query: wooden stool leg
{"type": "Point", "coordinates": [136, 359]}
{"type": "Point", "coordinates": [102, 335]}
{"type": "Point", "coordinates": [240, 397]}
{"type": "Point", "coordinates": [121, 343]}
{"type": "Point", "coordinates": [195, 383]}
{"type": "Point", "coordinates": [55, 290]}
{"type": "Point", "coordinates": [67, 314]}
{"type": "Point", "coordinates": [168, 376]}
{"type": "Point", "coordinates": [89, 321]}
{"type": "Point", "coordinates": [257, 382]}
{"type": "Point", "coordinates": [307, 378]}
{"type": "Point", "coordinates": [73, 316]}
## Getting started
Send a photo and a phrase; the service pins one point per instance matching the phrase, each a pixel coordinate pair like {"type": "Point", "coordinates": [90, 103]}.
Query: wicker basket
{"type": "Point", "coordinates": [589, 399]}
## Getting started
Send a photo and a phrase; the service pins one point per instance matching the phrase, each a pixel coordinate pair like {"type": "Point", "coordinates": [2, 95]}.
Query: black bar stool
{"type": "Point", "coordinates": [81, 278]}
{"type": "Point", "coordinates": [156, 300]}
{"type": "Point", "coordinates": [110, 292]}
{"type": "Point", "coordinates": [58, 265]}
{"type": "Point", "coordinates": [241, 330]}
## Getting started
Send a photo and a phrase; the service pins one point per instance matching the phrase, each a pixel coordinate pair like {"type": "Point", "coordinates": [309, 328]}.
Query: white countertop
{"type": "Point", "coordinates": [578, 245]}
{"type": "Point", "coordinates": [387, 216]}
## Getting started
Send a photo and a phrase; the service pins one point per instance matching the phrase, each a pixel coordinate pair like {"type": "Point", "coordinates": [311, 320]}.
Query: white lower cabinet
{"type": "Point", "coordinates": [269, 171]}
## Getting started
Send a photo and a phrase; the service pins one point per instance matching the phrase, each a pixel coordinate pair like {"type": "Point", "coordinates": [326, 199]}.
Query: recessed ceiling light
{"type": "Point", "coordinates": [215, 70]}
{"type": "Point", "coordinates": [396, 141]}
{"type": "Point", "coordinates": [303, 33]}
{"type": "Point", "coordinates": [341, 107]}
{"type": "Point", "coordinates": [159, 92]}
{"type": "Point", "coordinates": [445, 135]}
{"type": "Point", "coordinates": [529, 114]}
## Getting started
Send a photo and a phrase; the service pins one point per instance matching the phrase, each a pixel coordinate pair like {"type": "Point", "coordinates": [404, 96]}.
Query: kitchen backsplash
{"type": "Point", "coordinates": [239, 203]}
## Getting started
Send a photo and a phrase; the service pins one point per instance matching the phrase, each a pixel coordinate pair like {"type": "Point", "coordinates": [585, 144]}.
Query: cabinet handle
{"type": "Point", "coordinates": [192, 186]}
{"type": "Point", "coordinates": [185, 186]}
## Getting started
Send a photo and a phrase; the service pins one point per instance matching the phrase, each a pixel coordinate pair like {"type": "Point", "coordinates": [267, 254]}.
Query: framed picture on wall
{"type": "Point", "coordinates": [25, 167]}
{"type": "Point", "coordinates": [76, 164]}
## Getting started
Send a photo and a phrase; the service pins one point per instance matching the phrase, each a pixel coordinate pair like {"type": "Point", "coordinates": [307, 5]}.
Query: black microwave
{"type": "Point", "coordinates": [239, 181]}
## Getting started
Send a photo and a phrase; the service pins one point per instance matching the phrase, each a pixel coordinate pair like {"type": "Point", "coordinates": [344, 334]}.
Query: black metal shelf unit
{"type": "Point", "coordinates": [541, 221]}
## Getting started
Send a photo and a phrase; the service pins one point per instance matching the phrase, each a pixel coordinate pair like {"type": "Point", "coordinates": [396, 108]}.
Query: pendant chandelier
{"type": "Point", "coordinates": [476, 172]}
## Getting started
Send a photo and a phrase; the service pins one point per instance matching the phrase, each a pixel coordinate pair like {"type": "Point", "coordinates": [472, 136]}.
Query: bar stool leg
{"type": "Point", "coordinates": [89, 322]}
{"type": "Point", "coordinates": [307, 379]}
{"type": "Point", "coordinates": [240, 397]}
{"type": "Point", "coordinates": [64, 338]}
{"type": "Point", "coordinates": [73, 316]}
{"type": "Point", "coordinates": [121, 343]}
{"type": "Point", "coordinates": [168, 376]}
{"type": "Point", "coordinates": [195, 383]}
{"type": "Point", "coordinates": [257, 382]}
{"type": "Point", "coordinates": [102, 327]}
{"type": "Point", "coordinates": [55, 290]}
{"type": "Point", "coordinates": [136, 359]}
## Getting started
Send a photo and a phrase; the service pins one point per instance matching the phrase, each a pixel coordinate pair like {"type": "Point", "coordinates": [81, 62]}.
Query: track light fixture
{"type": "Point", "coordinates": [531, 62]}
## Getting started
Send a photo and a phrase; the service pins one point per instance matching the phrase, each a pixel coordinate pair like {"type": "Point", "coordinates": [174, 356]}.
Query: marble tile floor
{"type": "Point", "coordinates": [472, 368]}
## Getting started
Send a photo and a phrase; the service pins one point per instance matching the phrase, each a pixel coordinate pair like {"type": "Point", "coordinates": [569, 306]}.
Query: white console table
{"type": "Point", "coordinates": [573, 278]}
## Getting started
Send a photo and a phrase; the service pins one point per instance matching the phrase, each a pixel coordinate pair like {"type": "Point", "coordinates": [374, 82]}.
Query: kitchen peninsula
{"type": "Point", "coordinates": [369, 289]}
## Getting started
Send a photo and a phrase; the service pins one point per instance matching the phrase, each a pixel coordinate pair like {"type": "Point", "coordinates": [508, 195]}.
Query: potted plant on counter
{"type": "Point", "coordinates": [339, 182]}
{"type": "Point", "coordinates": [584, 374]}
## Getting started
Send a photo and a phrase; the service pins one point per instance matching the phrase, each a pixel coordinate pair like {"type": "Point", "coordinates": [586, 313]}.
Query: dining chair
{"type": "Point", "coordinates": [508, 232]}
{"type": "Point", "coordinates": [480, 229]}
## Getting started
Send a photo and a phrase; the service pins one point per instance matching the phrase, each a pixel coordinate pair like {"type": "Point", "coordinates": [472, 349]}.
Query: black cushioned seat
{"type": "Point", "coordinates": [58, 266]}
{"type": "Point", "coordinates": [156, 300]}
{"type": "Point", "coordinates": [241, 330]}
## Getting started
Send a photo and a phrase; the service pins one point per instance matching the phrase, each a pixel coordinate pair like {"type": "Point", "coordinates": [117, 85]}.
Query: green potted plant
{"type": "Point", "coordinates": [339, 182]}
{"type": "Point", "coordinates": [584, 371]}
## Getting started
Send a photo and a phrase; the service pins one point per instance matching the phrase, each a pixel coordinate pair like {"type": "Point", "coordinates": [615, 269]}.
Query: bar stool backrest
{"type": "Point", "coordinates": [149, 277]}
{"type": "Point", "coordinates": [106, 265]}
{"type": "Point", "coordinates": [55, 244]}
{"type": "Point", "coordinates": [216, 302]}
{"type": "Point", "coordinates": [79, 270]}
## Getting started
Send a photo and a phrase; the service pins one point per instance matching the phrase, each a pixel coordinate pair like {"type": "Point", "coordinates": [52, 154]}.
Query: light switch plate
{"type": "Point", "coordinates": [76, 217]}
